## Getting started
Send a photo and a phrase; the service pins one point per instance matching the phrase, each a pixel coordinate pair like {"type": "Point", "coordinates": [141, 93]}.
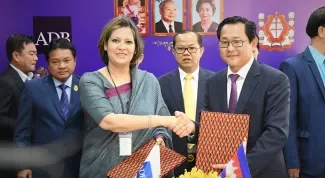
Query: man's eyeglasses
{"type": "Point", "coordinates": [234, 43]}
{"type": "Point", "coordinates": [181, 50]}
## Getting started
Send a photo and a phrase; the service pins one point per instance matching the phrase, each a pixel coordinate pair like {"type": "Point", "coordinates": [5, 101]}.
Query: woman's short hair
{"type": "Point", "coordinates": [211, 2]}
{"type": "Point", "coordinates": [114, 24]}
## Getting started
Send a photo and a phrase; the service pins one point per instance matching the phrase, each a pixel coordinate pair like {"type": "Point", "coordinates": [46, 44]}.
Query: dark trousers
{"type": "Point", "coordinates": [188, 165]}
{"type": "Point", "coordinates": [304, 175]}
{"type": "Point", "coordinates": [191, 161]}
{"type": "Point", "coordinates": [8, 174]}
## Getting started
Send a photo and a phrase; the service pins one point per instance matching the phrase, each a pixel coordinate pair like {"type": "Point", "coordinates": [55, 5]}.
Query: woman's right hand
{"type": "Point", "coordinates": [183, 126]}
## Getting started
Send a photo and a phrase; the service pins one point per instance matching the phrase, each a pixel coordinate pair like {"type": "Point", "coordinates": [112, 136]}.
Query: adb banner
{"type": "Point", "coordinates": [46, 28]}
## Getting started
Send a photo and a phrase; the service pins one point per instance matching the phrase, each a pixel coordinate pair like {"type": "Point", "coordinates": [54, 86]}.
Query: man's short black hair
{"type": "Point", "coordinates": [316, 20]}
{"type": "Point", "coordinates": [250, 27]}
{"type": "Point", "coordinates": [60, 43]}
{"type": "Point", "coordinates": [17, 43]}
{"type": "Point", "coordinates": [198, 36]}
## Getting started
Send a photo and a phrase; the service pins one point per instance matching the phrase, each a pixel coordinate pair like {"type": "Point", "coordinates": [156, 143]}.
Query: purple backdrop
{"type": "Point", "coordinates": [88, 19]}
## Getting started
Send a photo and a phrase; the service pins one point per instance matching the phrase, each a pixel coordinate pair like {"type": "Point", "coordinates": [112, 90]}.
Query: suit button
{"type": "Point", "coordinates": [65, 127]}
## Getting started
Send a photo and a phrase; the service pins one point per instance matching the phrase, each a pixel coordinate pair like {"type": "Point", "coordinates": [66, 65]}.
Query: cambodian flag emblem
{"type": "Point", "coordinates": [237, 167]}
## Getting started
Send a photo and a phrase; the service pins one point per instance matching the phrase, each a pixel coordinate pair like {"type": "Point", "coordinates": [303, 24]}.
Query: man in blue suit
{"type": "Point", "coordinates": [50, 116]}
{"type": "Point", "coordinates": [187, 50]}
{"type": "Point", "coordinates": [305, 151]}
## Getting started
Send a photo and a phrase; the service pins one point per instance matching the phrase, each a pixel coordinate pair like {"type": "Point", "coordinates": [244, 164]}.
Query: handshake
{"type": "Point", "coordinates": [181, 125]}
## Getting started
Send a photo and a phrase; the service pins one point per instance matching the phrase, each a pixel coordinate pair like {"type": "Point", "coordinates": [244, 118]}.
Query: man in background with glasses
{"type": "Point", "coordinates": [183, 89]}
{"type": "Point", "coordinates": [249, 87]}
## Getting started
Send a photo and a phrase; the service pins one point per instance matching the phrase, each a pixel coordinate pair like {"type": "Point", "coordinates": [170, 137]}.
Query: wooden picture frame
{"type": "Point", "coordinates": [194, 16]}
{"type": "Point", "coordinates": [142, 20]}
{"type": "Point", "coordinates": [158, 27]}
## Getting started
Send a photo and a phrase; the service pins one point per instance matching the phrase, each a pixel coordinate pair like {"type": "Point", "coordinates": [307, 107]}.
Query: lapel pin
{"type": "Point", "coordinates": [75, 88]}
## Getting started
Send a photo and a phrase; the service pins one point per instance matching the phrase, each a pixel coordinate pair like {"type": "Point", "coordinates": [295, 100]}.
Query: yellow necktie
{"type": "Point", "coordinates": [189, 102]}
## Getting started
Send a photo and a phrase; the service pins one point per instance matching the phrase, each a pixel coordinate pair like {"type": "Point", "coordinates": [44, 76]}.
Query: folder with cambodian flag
{"type": "Point", "coordinates": [237, 166]}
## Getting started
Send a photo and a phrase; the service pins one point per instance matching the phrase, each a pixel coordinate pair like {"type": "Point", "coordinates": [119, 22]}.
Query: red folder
{"type": "Point", "coordinates": [220, 135]}
{"type": "Point", "coordinates": [129, 167]}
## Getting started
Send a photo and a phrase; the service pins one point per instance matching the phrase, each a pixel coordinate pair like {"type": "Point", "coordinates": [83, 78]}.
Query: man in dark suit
{"type": "Point", "coordinates": [187, 51]}
{"type": "Point", "coordinates": [304, 153]}
{"type": "Point", "coordinates": [21, 53]}
{"type": "Point", "coordinates": [249, 87]}
{"type": "Point", "coordinates": [167, 24]}
{"type": "Point", "coordinates": [50, 115]}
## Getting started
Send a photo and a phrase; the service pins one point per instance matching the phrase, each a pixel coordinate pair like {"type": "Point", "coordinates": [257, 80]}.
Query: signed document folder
{"type": "Point", "coordinates": [220, 135]}
{"type": "Point", "coordinates": [130, 166]}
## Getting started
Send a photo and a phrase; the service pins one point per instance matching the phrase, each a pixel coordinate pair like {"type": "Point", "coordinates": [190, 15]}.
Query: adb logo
{"type": "Point", "coordinates": [46, 28]}
{"type": "Point", "coordinates": [145, 171]}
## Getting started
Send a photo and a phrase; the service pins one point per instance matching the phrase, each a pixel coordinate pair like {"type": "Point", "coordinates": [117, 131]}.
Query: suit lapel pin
{"type": "Point", "coordinates": [75, 88]}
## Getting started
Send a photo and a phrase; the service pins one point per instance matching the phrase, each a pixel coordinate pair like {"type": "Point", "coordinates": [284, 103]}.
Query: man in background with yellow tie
{"type": "Point", "coordinates": [183, 89]}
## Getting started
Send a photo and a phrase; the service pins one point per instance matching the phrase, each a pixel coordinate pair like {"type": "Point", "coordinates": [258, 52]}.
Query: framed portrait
{"type": "Point", "coordinates": [137, 10]}
{"type": "Point", "coordinates": [168, 17]}
{"type": "Point", "coordinates": [206, 15]}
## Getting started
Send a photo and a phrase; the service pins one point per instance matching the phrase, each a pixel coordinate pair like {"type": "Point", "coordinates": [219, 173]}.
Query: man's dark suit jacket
{"type": "Point", "coordinates": [11, 86]}
{"type": "Point", "coordinates": [306, 146]}
{"type": "Point", "coordinates": [40, 122]}
{"type": "Point", "coordinates": [172, 93]}
{"type": "Point", "coordinates": [160, 27]}
{"type": "Point", "coordinates": [265, 97]}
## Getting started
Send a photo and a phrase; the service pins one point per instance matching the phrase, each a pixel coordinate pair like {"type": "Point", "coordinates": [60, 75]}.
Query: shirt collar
{"type": "Point", "coordinates": [195, 74]}
{"type": "Point", "coordinates": [244, 70]}
{"type": "Point", "coordinates": [318, 57]}
{"type": "Point", "coordinates": [67, 83]}
{"type": "Point", "coordinates": [167, 24]}
{"type": "Point", "coordinates": [22, 75]}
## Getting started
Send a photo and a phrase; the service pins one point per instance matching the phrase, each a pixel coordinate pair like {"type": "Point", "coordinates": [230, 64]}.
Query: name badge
{"type": "Point", "coordinates": [125, 141]}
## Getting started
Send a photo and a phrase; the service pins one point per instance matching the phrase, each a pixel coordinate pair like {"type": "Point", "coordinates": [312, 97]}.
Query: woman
{"type": "Point", "coordinates": [206, 10]}
{"type": "Point", "coordinates": [120, 98]}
